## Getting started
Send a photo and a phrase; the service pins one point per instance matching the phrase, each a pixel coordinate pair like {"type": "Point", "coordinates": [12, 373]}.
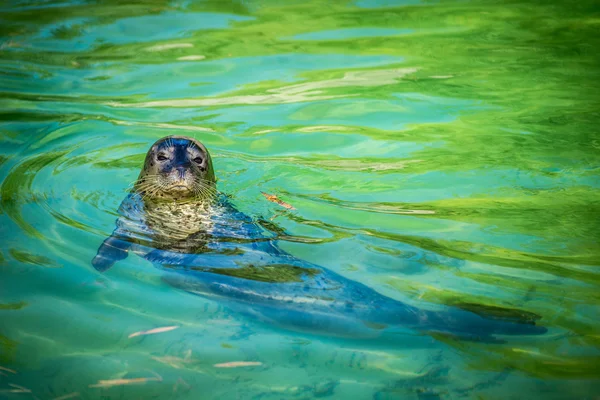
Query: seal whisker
{"type": "Point", "coordinates": [198, 192]}
{"type": "Point", "coordinates": [203, 193]}
{"type": "Point", "coordinates": [203, 190]}
{"type": "Point", "coordinates": [136, 183]}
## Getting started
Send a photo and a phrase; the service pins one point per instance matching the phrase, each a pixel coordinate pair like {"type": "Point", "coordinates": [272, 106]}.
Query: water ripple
{"type": "Point", "coordinates": [430, 151]}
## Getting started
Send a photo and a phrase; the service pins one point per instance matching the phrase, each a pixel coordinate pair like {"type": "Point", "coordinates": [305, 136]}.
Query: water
{"type": "Point", "coordinates": [439, 152]}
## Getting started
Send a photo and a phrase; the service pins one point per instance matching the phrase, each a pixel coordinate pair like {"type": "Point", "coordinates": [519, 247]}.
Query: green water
{"type": "Point", "coordinates": [439, 152]}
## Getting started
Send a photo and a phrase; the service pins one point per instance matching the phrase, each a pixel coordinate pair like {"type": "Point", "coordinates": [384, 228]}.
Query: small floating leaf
{"type": "Point", "coordinates": [120, 382]}
{"type": "Point", "coordinates": [175, 362]}
{"type": "Point", "coordinates": [19, 389]}
{"type": "Point", "coordinates": [153, 331]}
{"type": "Point", "coordinates": [67, 396]}
{"type": "Point", "coordinates": [235, 364]}
{"type": "Point", "coordinates": [274, 199]}
{"type": "Point", "coordinates": [12, 371]}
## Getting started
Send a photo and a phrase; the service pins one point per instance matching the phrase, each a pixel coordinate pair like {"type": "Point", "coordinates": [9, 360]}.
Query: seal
{"type": "Point", "coordinates": [174, 205]}
{"type": "Point", "coordinates": [175, 218]}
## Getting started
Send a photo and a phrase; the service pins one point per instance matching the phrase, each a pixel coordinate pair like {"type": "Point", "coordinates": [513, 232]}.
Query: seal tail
{"type": "Point", "coordinates": [478, 321]}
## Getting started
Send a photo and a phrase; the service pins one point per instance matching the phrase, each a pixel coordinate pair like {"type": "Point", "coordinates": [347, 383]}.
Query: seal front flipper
{"type": "Point", "coordinates": [110, 251]}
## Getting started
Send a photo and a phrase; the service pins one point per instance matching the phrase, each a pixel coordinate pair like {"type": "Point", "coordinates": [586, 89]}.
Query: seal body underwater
{"type": "Point", "coordinates": [175, 218]}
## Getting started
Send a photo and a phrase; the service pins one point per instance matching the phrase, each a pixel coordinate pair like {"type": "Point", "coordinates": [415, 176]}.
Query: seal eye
{"type": "Point", "coordinates": [161, 157]}
{"type": "Point", "coordinates": [198, 160]}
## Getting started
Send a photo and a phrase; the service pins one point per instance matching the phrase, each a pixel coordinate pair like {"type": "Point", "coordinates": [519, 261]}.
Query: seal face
{"type": "Point", "coordinates": [173, 204]}
{"type": "Point", "coordinates": [177, 168]}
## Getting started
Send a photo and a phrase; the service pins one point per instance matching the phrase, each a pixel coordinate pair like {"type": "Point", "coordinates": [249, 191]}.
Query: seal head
{"type": "Point", "coordinates": [177, 168]}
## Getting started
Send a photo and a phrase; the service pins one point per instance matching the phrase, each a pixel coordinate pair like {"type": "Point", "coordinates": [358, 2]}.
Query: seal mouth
{"type": "Point", "coordinates": [179, 188]}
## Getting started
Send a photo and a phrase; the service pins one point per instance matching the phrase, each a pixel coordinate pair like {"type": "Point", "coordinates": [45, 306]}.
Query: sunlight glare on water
{"type": "Point", "coordinates": [439, 152]}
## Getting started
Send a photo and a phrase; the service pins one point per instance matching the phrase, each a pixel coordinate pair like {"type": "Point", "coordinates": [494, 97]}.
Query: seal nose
{"type": "Point", "coordinates": [181, 172]}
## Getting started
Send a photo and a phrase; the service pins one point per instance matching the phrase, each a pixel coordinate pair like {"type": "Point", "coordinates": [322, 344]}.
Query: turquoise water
{"type": "Point", "coordinates": [438, 152]}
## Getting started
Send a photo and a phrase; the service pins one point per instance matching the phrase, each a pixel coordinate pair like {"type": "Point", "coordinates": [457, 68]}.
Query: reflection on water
{"type": "Point", "coordinates": [441, 153]}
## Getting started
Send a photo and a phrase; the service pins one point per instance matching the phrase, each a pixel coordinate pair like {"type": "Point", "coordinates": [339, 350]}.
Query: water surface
{"type": "Point", "coordinates": [439, 152]}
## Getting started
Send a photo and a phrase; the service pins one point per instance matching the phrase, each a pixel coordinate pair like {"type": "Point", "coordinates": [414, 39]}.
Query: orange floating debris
{"type": "Point", "coordinates": [235, 364]}
{"type": "Point", "coordinates": [275, 199]}
{"type": "Point", "coordinates": [153, 331]}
